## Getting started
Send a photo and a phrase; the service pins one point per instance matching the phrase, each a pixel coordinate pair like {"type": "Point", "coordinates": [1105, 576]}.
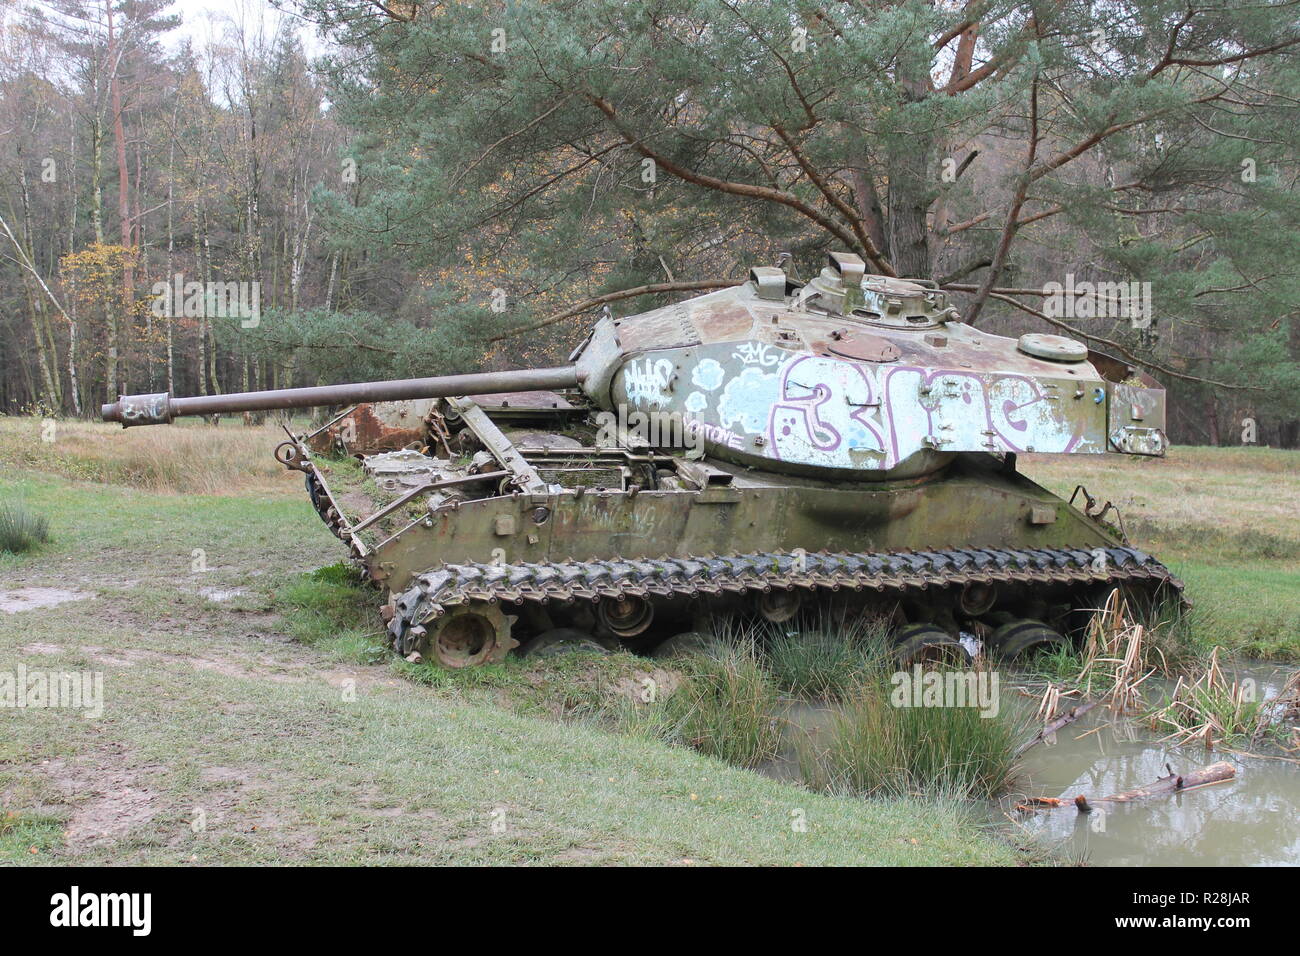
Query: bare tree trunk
{"type": "Point", "coordinates": [334, 274]}
{"type": "Point", "coordinates": [909, 195]}
{"type": "Point", "coordinates": [171, 241]}
{"type": "Point", "coordinates": [97, 175]}
{"type": "Point", "coordinates": [42, 336]}
{"type": "Point", "coordinates": [203, 319]}
{"type": "Point", "coordinates": [206, 278]}
{"type": "Point", "coordinates": [73, 378]}
{"type": "Point", "coordinates": [123, 188]}
{"type": "Point", "coordinates": [868, 198]}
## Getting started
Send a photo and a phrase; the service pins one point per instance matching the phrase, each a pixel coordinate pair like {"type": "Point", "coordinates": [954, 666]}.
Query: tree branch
{"type": "Point", "coordinates": [873, 254]}
{"type": "Point", "coordinates": [589, 304]}
{"type": "Point", "coordinates": [1123, 351]}
{"type": "Point", "coordinates": [737, 189]}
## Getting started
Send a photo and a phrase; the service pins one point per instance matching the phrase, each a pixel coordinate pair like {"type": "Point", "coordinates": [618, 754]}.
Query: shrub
{"type": "Point", "coordinates": [21, 530]}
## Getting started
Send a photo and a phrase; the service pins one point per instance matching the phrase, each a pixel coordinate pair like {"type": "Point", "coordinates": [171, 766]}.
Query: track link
{"type": "Point", "coordinates": [886, 573]}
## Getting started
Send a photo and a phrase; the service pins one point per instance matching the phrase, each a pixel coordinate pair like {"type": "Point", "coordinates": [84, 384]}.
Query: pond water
{"type": "Point", "coordinates": [1251, 820]}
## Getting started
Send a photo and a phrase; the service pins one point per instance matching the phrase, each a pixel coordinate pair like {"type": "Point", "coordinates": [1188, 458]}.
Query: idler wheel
{"type": "Point", "coordinates": [468, 635]}
{"type": "Point", "coordinates": [926, 644]}
{"type": "Point", "coordinates": [779, 606]}
{"type": "Point", "coordinates": [565, 640]}
{"type": "Point", "coordinates": [626, 616]}
{"type": "Point", "coordinates": [1023, 638]}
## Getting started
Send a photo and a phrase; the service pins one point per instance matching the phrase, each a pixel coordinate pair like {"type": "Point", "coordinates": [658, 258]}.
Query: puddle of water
{"type": "Point", "coordinates": [804, 721]}
{"type": "Point", "coordinates": [1251, 820]}
{"type": "Point", "coordinates": [28, 599]}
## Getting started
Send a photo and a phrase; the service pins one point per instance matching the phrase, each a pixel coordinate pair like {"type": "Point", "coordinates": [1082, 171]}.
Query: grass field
{"type": "Point", "coordinates": [1226, 520]}
{"type": "Point", "coordinates": [238, 727]}
{"type": "Point", "coordinates": [243, 723]}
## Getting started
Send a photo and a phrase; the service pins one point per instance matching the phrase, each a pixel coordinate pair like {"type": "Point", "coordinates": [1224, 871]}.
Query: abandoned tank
{"type": "Point", "coordinates": [772, 449]}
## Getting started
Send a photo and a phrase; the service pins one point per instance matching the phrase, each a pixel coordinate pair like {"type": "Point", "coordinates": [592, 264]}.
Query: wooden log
{"type": "Point", "coordinates": [1071, 715]}
{"type": "Point", "coordinates": [1174, 783]}
{"type": "Point", "coordinates": [1033, 803]}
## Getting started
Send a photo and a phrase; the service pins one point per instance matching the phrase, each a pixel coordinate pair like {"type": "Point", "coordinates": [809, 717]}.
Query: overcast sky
{"type": "Point", "coordinates": [198, 20]}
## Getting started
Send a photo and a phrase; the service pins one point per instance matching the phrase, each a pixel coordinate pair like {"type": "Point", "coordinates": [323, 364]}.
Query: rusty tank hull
{"type": "Point", "coordinates": [772, 449]}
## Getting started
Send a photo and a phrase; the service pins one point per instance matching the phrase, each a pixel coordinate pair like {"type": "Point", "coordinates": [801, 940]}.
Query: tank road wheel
{"type": "Point", "coordinates": [1024, 637]}
{"type": "Point", "coordinates": [625, 617]}
{"type": "Point", "coordinates": [565, 640]}
{"type": "Point", "coordinates": [779, 606]}
{"type": "Point", "coordinates": [927, 644]}
{"type": "Point", "coordinates": [468, 635]}
{"type": "Point", "coordinates": [977, 598]}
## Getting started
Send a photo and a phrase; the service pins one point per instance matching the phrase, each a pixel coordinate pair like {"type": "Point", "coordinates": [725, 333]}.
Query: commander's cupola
{"type": "Point", "coordinates": [844, 288]}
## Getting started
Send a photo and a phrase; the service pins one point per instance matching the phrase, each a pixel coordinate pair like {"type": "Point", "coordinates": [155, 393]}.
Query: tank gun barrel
{"type": "Point", "coordinates": [160, 408]}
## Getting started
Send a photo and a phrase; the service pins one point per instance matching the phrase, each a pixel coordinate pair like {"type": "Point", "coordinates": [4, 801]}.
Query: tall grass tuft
{"type": "Point", "coordinates": [1211, 709]}
{"type": "Point", "coordinates": [727, 707]}
{"type": "Point", "coordinates": [872, 747]}
{"type": "Point", "coordinates": [825, 657]}
{"type": "Point", "coordinates": [730, 706]}
{"type": "Point", "coordinates": [21, 530]}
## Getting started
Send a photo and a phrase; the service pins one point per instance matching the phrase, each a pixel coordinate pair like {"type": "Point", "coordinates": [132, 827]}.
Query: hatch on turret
{"type": "Point", "coordinates": [845, 288]}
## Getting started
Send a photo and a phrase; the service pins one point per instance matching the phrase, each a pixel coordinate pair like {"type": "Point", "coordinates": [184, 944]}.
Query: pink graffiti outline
{"type": "Point", "coordinates": [1008, 407]}
{"type": "Point", "coordinates": [806, 408]}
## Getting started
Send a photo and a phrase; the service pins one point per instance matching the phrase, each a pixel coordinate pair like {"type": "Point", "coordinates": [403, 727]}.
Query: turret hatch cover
{"type": "Point", "coordinates": [1055, 347]}
{"type": "Point", "coordinates": [862, 346]}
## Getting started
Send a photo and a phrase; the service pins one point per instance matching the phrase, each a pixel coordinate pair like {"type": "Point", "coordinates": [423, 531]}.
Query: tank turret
{"type": "Point", "coordinates": [861, 376]}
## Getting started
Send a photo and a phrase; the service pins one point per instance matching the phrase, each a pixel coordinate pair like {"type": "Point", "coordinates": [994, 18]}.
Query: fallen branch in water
{"type": "Point", "coordinates": [1071, 715]}
{"type": "Point", "coordinates": [1174, 783]}
{"type": "Point", "coordinates": [1034, 802]}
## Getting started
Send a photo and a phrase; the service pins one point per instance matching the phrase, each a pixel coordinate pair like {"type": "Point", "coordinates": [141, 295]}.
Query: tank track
{"type": "Point", "coordinates": [886, 573]}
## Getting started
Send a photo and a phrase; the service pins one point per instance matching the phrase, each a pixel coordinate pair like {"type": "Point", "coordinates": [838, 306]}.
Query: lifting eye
{"type": "Point", "coordinates": [1098, 395]}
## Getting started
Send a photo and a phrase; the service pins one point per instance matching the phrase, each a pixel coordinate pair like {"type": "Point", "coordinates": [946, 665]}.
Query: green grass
{"type": "Point", "coordinates": [27, 838]}
{"type": "Point", "coordinates": [1223, 519]}
{"type": "Point", "coordinates": [1239, 719]}
{"type": "Point", "coordinates": [263, 712]}
{"type": "Point", "coordinates": [727, 707]}
{"type": "Point", "coordinates": [1249, 609]}
{"type": "Point", "coordinates": [21, 530]}
{"type": "Point", "coordinates": [870, 747]}
{"type": "Point", "coordinates": [334, 609]}
{"type": "Point", "coordinates": [822, 657]}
